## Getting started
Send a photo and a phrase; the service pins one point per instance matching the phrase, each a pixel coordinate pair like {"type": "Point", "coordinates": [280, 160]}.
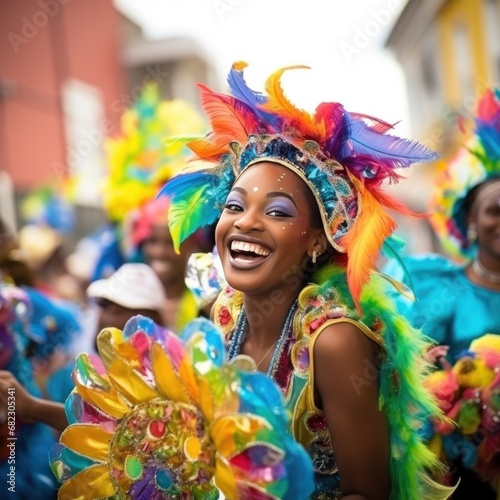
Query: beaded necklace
{"type": "Point", "coordinates": [480, 270]}
{"type": "Point", "coordinates": [239, 337]}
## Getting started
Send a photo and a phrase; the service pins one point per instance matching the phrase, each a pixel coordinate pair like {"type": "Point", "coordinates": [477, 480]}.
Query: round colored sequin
{"type": "Point", "coordinates": [164, 479]}
{"type": "Point", "coordinates": [133, 467]}
{"type": "Point", "coordinates": [157, 429]}
{"type": "Point", "coordinates": [192, 448]}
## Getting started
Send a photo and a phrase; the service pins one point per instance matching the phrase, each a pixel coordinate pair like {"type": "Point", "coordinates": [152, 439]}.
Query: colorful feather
{"type": "Point", "coordinates": [364, 240]}
{"type": "Point", "coordinates": [196, 201]}
{"type": "Point", "coordinates": [477, 161]}
{"type": "Point", "coordinates": [278, 103]}
{"type": "Point", "coordinates": [254, 100]}
{"type": "Point", "coordinates": [230, 119]}
{"type": "Point", "coordinates": [392, 248]}
{"type": "Point", "coordinates": [361, 139]}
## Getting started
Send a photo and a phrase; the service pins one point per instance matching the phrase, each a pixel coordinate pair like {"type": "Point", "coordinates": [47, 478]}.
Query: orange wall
{"type": "Point", "coordinates": [42, 43]}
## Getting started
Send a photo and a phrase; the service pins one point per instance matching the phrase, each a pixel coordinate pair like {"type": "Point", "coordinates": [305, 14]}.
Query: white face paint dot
{"type": "Point", "coordinates": [304, 232]}
{"type": "Point", "coordinates": [255, 189]}
{"type": "Point", "coordinates": [282, 227]}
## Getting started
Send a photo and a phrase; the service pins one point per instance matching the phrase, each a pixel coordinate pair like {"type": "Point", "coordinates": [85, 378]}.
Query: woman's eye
{"type": "Point", "coordinates": [277, 213]}
{"type": "Point", "coordinates": [233, 207]}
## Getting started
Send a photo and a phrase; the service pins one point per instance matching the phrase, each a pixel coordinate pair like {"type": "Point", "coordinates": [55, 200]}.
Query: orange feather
{"type": "Point", "coordinates": [394, 204]}
{"type": "Point", "coordinates": [227, 122]}
{"type": "Point", "coordinates": [278, 103]}
{"type": "Point", "coordinates": [364, 240]}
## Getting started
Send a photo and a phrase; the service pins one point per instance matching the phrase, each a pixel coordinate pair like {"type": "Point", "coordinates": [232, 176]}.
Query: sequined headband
{"type": "Point", "coordinates": [327, 179]}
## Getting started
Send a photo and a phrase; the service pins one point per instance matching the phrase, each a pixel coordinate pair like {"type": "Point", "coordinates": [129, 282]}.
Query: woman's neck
{"type": "Point", "coordinates": [266, 317]}
{"type": "Point", "coordinates": [484, 271]}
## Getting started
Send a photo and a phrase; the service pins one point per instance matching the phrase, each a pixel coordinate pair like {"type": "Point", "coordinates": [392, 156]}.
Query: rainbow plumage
{"type": "Point", "coordinates": [337, 147]}
{"type": "Point", "coordinates": [162, 416]}
{"type": "Point", "coordinates": [140, 159]}
{"type": "Point", "coordinates": [476, 162]}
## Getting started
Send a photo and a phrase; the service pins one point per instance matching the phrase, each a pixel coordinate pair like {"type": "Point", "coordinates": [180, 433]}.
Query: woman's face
{"type": "Point", "coordinates": [487, 218]}
{"type": "Point", "coordinates": [265, 233]}
{"type": "Point", "coordinates": [160, 255]}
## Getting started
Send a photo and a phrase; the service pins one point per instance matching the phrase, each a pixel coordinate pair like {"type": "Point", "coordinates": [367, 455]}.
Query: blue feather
{"type": "Point", "coordinates": [361, 139]}
{"type": "Point", "coordinates": [252, 99]}
{"type": "Point", "coordinates": [490, 139]}
{"type": "Point", "coordinates": [392, 248]}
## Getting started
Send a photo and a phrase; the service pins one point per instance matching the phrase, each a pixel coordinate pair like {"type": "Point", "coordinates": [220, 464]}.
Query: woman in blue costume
{"type": "Point", "coordinates": [457, 303]}
{"type": "Point", "coordinates": [301, 220]}
{"type": "Point", "coordinates": [25, 445]}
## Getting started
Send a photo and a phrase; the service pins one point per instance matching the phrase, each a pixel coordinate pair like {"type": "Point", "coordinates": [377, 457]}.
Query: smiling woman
{"type": "Point", "coordinates": [458, 303]}
{"type": "Point", "coordinates": [301, 220]}
{"type": "Point", "coordinates": [262, 230]}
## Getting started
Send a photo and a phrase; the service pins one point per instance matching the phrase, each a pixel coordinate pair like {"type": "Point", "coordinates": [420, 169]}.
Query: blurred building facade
{"type": "Point", "coordinates": [450, 53]}
{"type": "Point", "coordinates": [59, 76]}
{"type": "Point", "coordinates": [69, 70]}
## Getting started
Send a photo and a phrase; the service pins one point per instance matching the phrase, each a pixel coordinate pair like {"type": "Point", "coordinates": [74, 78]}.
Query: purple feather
{"type": "Point", "coordinates": [397, 152]}
{"type": "Point", "coordinates": [252, 99]}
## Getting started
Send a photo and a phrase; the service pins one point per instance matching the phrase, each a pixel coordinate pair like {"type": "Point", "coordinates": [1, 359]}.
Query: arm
{"type": "Point", "coordinates": [347, 389]}
{"type": "Point", "coordinates": [29, 407]}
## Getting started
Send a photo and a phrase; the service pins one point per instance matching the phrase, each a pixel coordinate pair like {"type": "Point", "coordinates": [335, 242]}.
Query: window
{"type": "Point", "coordinates": [492, 32]}
{"type": "Point", "coordinates": [85, 129]}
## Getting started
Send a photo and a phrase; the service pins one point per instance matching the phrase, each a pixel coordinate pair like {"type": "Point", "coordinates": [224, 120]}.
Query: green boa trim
{"type": "Point", "coordinates": [403, 398]}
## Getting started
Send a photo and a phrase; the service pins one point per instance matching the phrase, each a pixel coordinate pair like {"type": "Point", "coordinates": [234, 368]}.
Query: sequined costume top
{"type": "Point", "coordinates": [294, 372]}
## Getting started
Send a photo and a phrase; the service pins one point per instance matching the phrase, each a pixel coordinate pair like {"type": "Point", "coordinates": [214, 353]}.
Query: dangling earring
{"type": "Point", "coordinates": [314, 256]}
{"type": "Point", "coordinates": [472, 233]}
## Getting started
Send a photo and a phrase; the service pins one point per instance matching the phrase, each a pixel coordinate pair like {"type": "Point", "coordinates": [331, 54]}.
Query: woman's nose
{"type": "Point", "coordinates": [248, 221]}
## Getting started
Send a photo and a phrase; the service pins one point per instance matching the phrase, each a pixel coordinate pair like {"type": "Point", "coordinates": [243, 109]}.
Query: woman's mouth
{"type": "Point", "coordinates": [247, 255]}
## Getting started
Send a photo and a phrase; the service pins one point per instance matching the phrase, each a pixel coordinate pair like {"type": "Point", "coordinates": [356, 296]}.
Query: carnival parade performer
{"type": "Point", "coordinates": [301, 221]}
{"type": "Point", "coordinates": [458, 300]}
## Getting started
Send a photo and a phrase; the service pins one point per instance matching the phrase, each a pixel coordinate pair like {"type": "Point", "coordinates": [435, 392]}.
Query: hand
{"type": "Point", "coordinates": [11, 387]}
{"type": "Point", "coordinates": [438, 355]}
{"type": "Point", "coordinates": [28, 407]}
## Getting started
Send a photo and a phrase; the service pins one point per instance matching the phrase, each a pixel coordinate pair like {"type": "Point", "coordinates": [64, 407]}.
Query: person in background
{"type": "Point", "coordinates": [458, 302]}
{"type": "Point", "coordinates": [150, 239]}
{"type": "Point", "coordinates": [24, 442]}
{"type": "Point", "coordinates": [134, 289]}
{"type": "Point", "coordinates": [54, 323]}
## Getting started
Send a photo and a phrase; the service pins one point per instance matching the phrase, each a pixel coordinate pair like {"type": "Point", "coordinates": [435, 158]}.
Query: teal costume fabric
{"type": "Point", "coordinates": [449, 308]}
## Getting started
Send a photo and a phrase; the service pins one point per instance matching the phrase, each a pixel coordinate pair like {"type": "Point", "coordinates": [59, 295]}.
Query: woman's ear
{"type": "Point", "coordinates": [319, 243]}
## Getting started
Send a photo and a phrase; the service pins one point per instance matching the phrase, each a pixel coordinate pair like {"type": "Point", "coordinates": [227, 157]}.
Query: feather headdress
{"type": "Point", "coordinates": [476, 162]}
{"type": "Point", "coordinates": [343, 157]}
{"type": "Point", "coordinates": [139, 159]}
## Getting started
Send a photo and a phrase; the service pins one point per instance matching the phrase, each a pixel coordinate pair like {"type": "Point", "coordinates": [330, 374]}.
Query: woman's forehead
{"type": "Point", "coordinates": [489, 195]}
{"type": "Point", "coordinates": [270, 176]}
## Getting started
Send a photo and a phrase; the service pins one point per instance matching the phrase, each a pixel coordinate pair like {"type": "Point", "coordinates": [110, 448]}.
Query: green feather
{"type": "Point", "coordinates": [185, 215]}
{"type": "Point", "coordinates": [403, 398]}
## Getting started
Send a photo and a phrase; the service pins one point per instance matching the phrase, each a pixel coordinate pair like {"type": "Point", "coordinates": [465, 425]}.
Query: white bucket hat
{"type": "Point", "coordinates": [134, 286]}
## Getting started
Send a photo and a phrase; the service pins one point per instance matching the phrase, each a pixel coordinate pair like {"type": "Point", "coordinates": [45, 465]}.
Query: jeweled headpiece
{"type": "Point", "coordinates": [343, 157]}
{"type": "Point", "coordinates": [476, 162]}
